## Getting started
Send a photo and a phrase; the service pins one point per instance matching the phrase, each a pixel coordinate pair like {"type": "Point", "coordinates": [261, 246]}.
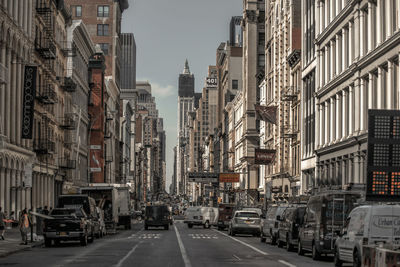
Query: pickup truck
{"type": "Point", "coordinates": [67, 224]}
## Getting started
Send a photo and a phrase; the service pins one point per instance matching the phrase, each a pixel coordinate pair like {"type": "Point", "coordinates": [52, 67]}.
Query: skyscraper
{"type": "Point", "coordinates": [186, 98]}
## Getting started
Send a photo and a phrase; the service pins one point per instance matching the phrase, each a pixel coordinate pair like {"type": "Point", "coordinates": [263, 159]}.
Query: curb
{"type": "Point", "coordinates": [8, 253]}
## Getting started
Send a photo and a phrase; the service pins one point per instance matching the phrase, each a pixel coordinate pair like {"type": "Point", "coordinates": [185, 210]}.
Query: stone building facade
{"type": "Point", "coordinates": [16, 45]}
{"type": "Point", "coordinates": [357, 44]}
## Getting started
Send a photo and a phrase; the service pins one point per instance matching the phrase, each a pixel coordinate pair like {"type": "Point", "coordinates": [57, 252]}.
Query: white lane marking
{"type": "Point", "coordinates": [119, 264]}
{"type": "Point", "coordinates": [286, 263]}
{"type": "Point", "coordinates": [182, 248]}
{"type": "Point", "coordinates": [236, 257]}
{"type": "Point", "coordinates": [244, 243]}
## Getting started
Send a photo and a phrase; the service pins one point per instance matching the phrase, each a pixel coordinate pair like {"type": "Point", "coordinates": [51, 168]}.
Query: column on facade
{"type": "Point", "coordinates": [371, 97]}
{"type": "Point", "coordinates": [351, 110]}
{"type": "Point", "coordinates": [357, 34]}
{"type": "Point", "coordinates": [18, 106]}
{"type": "Point", "coordinates": [318, 126]}
{"type": "Point", "coordinates": [25, 16]}
{"type": "Point", "coordinates": [331, 10]}
{"type": "Point", "coordinates": [338, 56]}
{"type": "Point", "coordinates": [345, 49]}
{"type": "Point", "coordinates": [390, 86]}
{"type": "Point", "coordinates": [357, 168]}
{"type": "Point", "coordinates": [357, 105]}
{"type": "Point", "coordinates": [322, 72]}
{"type": "Point", "coordinates": [7, 202]}
{"type": "Point", "coordinates": [13, 97]}
{"type": "Point", "coordinates": [345, 113]}
{"type": "Point", "coordinates": [338, 7]}
{"type": "Point", "coordinates": [350, 170]}
{"type": "Point", "coordinates": [332, 60]}
{"type": "Point", "coordinates": [363, 105]}
{"type": "Point", "coordinates": [327, 19]}
{"type": "Point", "coordinates": [326, 130]}
{"type": "Point", "coordinates": [322, 129]}
{"type": "Point", "coordinates": [30, 8]}
{"type": "Point", "coordinates": [332, 118]}
{"type": "Point", "coordinates": [371, 26]}
{"type": "Point", "coordinates": [327, 64]}
{"type": "Point", "coordinates": [398, 76]}
{"type": "Point", "coordinates": [7, 117]}
{"type": "Point", "coordinates": [321, 17]}
{"type": "Point", "coordinates": [2, 186]}
{"type": "Point", "coordinates": [2, 90]}
{"type": "Point", "coordinates": [379, 22]}
{"type": "Point", "coordinates": [344, 171]}
{"type": "Point", "coordinates": [351, 43]}
{"type": "Point", "coordinates": [380, 97]}
{"type": "Point", "coordinates": [338, 120]}
{"type": "Point", "coordinates": [362, 33]}
{"type": "Point", "coordinates": [389, 17]}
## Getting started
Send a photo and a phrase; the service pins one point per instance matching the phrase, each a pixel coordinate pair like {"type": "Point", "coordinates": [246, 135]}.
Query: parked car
{"type": "Point", "coordinates": [245, 222]}
{"type": "Point", "coordinates": [205, 216]}
{"type": "Point", "coordinates": [325, 216]}
{"type": "Point", "coordinates": [67, 224]}
{"type": "Point", "coordinates": [289, 225]}
{"type": "Point", "coordinates": [367, 225]}
{"type": "Point", "coordinates": [89, 206]}
{"type": "Point", "coordinates": [225, 215]}
{"type": "Point", "coordinates": [156, 216]}
{"type": "Point", "coordinates": [269, 228]}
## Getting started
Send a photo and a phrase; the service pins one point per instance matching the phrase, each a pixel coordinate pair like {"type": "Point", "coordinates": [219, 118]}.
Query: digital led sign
{"type": "Point", "coordinates": [383, 172]}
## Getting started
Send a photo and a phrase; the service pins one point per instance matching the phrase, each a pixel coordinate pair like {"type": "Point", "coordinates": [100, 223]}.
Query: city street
{"type": "Point", "coordinates": [179, 246]}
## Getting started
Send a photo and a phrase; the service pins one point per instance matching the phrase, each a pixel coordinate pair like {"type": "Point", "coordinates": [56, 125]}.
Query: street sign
{"type": "Point", "coordinates": [203, 177]}
{"type": "Point", "coordinates": [264, 156]}
{"type": "Point", "coordinates": [229, 177]}
{"type": "Point", "coordinates": [383, 171]}
{"type": "Point", "coordinates": [211, 82]}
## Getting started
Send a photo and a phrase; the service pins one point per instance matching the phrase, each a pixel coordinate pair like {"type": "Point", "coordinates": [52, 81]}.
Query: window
{"type": "Point", "coordinates": [261, 38]}
{"type": "Point", "coordinates": [261, 60]}
{"type": "Point", "coordinates": [103, 11]}
{"type": "Point", "coordinates": [102, 29]}
{"type": "Point", "coordinates": [235, 84]}
{"type": "Point", "coordinates": [105, 48]}
{"type": "Point", "coordinates": [78, 11]}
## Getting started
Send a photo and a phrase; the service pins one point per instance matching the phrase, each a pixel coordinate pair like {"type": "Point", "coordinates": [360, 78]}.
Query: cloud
{"type": "Point", "coordinates": [162, 91]}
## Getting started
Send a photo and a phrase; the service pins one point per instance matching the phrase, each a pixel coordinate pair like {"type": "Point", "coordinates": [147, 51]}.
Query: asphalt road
{"type": "Point", "coordinates": [179, 246]}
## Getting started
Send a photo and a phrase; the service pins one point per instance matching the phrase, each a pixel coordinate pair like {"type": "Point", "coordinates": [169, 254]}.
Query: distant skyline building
{"type": "Point", "coordinates": [128, 61]}
{"type": "Point", "coordinates": [186, 99]}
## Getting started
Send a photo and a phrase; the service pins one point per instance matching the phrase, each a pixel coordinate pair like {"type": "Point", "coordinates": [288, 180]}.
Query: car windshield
{"type": "Point", "coordinates": [66, 212]}
{"type": "Point", "coordinates": [156, 211]}
{"type": "Point", "coordinates": [247, 214]}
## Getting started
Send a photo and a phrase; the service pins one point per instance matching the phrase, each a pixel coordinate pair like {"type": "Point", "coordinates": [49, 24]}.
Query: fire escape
{"type": "Point", "coordinates": [289, 96]}
{"type": "Point", "coordinates": [46, 48]}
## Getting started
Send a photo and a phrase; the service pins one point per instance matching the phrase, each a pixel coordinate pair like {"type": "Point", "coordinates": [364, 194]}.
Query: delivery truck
{"type": "Point", "coordinates": [114, 200]}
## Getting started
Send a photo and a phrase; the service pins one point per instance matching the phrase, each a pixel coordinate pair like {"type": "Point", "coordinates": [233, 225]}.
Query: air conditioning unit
{"type": "Point", "coordinates": [3, 74]}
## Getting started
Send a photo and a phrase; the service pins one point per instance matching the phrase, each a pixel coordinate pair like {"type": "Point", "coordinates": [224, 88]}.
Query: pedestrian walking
{"type": "Point", "coordinates": [2, 224]}
{"type": "Point", "coordinates": [24, 225]}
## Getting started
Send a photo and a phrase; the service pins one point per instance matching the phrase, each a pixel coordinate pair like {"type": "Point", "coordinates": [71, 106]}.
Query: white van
{"type": "Point", "coordinates": [367, 225]}
{"type": "Point", "coordinates": [205, 216]}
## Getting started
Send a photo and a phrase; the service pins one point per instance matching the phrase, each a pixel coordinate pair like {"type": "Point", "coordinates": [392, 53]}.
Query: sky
{"type": "Point", "coordinates": [166, 33]}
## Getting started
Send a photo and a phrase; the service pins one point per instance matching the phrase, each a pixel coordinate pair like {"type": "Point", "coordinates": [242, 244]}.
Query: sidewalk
{"type": "Point", "coordinates": [12, 241]}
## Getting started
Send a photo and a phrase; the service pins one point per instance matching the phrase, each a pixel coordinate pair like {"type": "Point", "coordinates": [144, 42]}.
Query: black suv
{"type": "Point", "coordinates": [157, 216]}
{"type": "Point", "coordinates": [289, 225]}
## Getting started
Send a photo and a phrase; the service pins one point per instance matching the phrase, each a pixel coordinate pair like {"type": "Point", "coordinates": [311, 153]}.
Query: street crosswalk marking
{"type": "Point", "coordinates": [146, 236]}
{"type": "Point", "coordinates": [203, 236]}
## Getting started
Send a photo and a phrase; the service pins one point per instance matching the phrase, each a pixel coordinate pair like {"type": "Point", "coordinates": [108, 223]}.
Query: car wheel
{"type": "Point", "coordinates": [280, 244]}
{"type": "Point", "coordinates": [57, 242]}
{"type": "Point", "coordinates": [300, 250]}
{"type": "Point", "coordinates": [315, 254]}
{"type": "Point", "coordinates": [47, 242]}
{"type": "Point", "coordinates": [262, 237]}
{"type": "Point", "coordinates": [273, 240]}
{"type": "Point", "coordinates": [356, 259]}
{"type": "Point", "coordinates": [207, 225]}
{"type": "Point", "coordinates": [190, 226]}
{"type": "Point", "coordinates": [336, 259]}
{"type": "Point", "coordinates": [84, 240]}
{"type": "Point", "coordinates": [146, 227]}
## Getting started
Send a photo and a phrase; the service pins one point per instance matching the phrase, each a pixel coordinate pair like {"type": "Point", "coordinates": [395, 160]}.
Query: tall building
{"type": "Point", "coordinates": [186, 97]}
{"type": "Point", "coordinates": [309, 107]}
{"type": "Point", "coordinates": [283, 24]}
{"type": "Point", "coordinates": [16, 156]}
{"type": "Point", "coordinates": [357, 69]}
{"type": "Point", "coordinates": [128, 61]}
{"type": "Point", "coordinates": [253, 69]}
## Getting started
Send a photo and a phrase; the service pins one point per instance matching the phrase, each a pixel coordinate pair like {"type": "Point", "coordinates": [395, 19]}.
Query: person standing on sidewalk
{"type": "Point", "coordinates": [2, 224]}
{"type": "Point", "coordinates": [24, 225]}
